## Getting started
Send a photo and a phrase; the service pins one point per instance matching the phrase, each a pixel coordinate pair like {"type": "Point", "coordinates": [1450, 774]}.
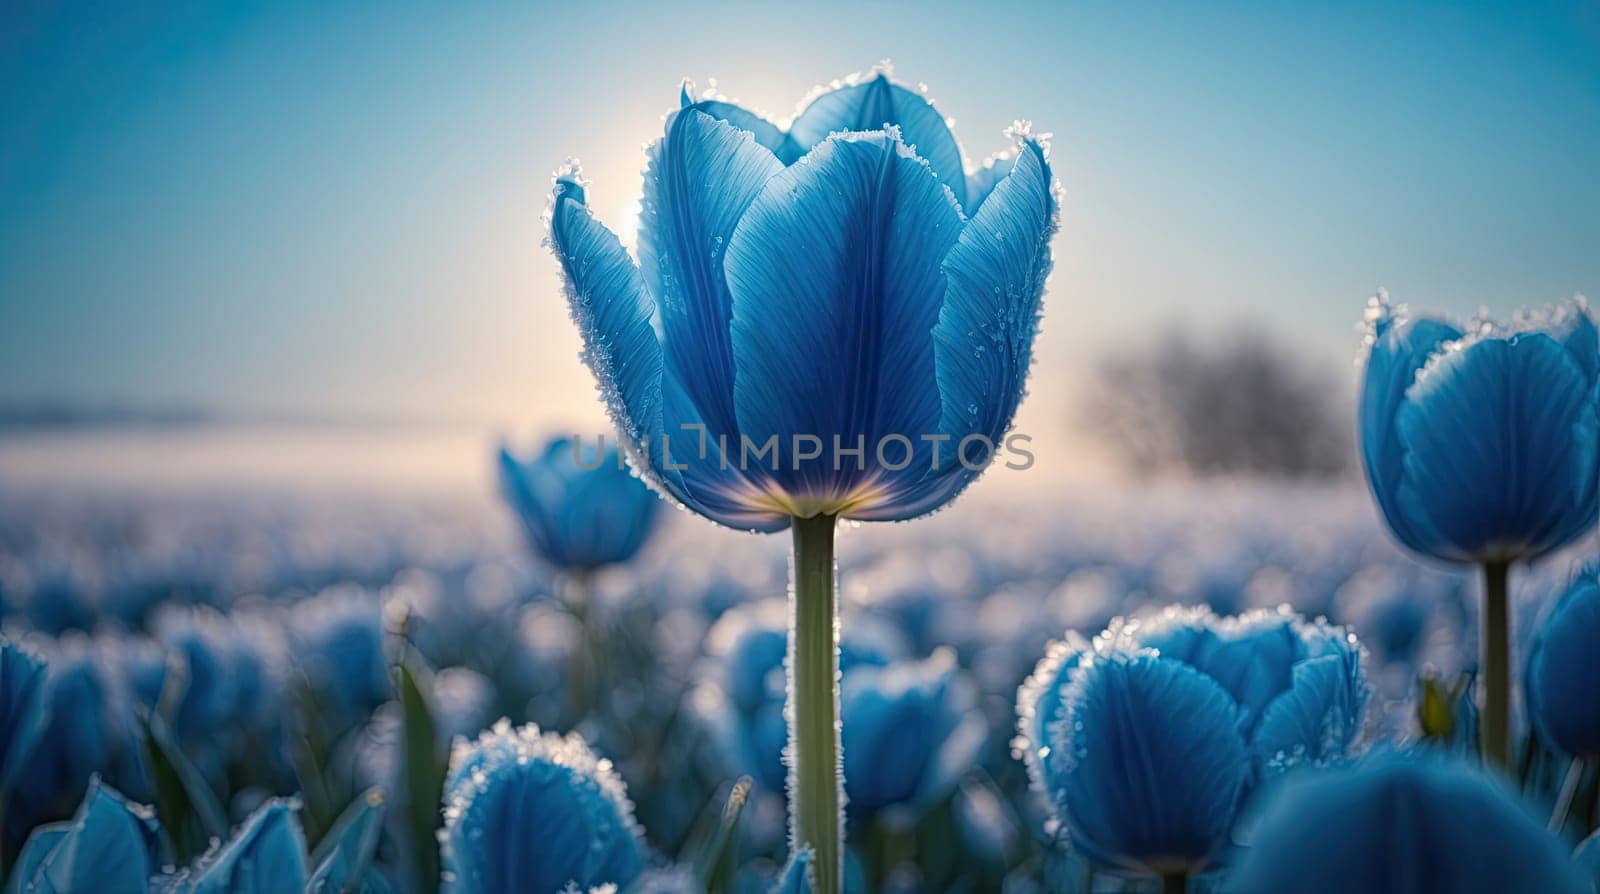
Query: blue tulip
{"type": "Point", "coordinates": [1400, 824]}
{"type": "Point", "coordinates": [750, 643]}
{"type": "Point", "coordinates": [110, 845]}
{"type": "Point", "coordinates": [841, 282]}
{"type": "Point", "coordinates": [22, 709]}
{"type": "Point", "coordinates": [267, 855]}
{"type": "Point", "coordinates": [911, 729]}
{"type": "Point", "coordinates": [338, 644]}
{"type": "Point", "coordinates": [1211, 706]}
{"type": "Point", "coordinates": [1563, 673]}
{"type": "Point", "coordinates": [87, 731]}
{"type": "Point", "coordinates": [581, 508]}
{"type": "Point", "coordinates": [1483, 447]}
{"type": "Point", "coordinates": [532, 811]}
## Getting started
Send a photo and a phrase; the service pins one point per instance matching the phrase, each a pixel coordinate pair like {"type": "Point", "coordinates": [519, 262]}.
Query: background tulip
{"type": "Point", "coordinates": [22, 707]}
{"type": "Point", "coordinates": [1483, 447]}
{"type": "Point", "coordinates": [532, 811]}
{"type": "Point", "coordinates": [909, 727]}
{"type": "Point", "coordinates": [836, 282]}
{"type": "Point", "coordinates": [1563, 677]}
{"type": "Point", "coordinates": [1400, 824]}
{"type": "Point", "coordinates": [580, 507]}
{"type": "Point", "coordinates": [267, 855]}
{"type": "Point", "coordinates": [1563, 681]}
{"type": "Point", "coordinates": [109, 845]}
{"type": "Point", "coordinates": [1211, 707]}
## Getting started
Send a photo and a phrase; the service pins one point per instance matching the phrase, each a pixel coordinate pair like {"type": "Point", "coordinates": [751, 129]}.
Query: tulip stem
{"type": "Point", "coordinates": [1494, 730]}
{"type": "Point", "coordinates": [1569, 789]}
{"type": "Point", "coordinates": [575, 593]}
{"type": "Point", "coordinates": [1174, 883]}
{"type": "Point", "coordinates": [815, 774]}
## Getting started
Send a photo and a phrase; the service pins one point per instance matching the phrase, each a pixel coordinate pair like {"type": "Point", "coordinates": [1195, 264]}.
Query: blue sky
{"type": "Point", "coordinates": [335, 208]}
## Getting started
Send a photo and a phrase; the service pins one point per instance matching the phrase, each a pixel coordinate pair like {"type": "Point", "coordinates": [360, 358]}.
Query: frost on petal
{"type": "Point", "coordinates": [1040, 702]}
{"type": "Point", "coordinates": [874, 104]}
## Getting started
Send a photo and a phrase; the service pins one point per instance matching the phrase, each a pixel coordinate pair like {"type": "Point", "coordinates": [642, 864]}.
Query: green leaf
{"type": "Point", "coordinates": [189, 811]}
{"type": "Point", "coordinates": [422, 770]}
{"type": "Point", "coordinates": [716, 865]}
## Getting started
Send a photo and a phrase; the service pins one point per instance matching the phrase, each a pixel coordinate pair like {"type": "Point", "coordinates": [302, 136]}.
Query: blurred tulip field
{"type": "Point", "coordinates": [282, 677]}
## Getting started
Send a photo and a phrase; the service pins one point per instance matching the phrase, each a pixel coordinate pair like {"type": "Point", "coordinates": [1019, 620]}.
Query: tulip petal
{"type": "Point", "coordinates": [1400, 348]}
{"type": "Point", "coordinates": [22, 708]}
{"type": "Point", "coordinates": [763, 131]}
{"type": "Point", "coordinates": [266, 856]}
{"type": "Point", "coordinates": [984, 339]}
{"type": "Point", "coordinates": [873, 104]}
{"type": "Point", "coordinates": [1400, 823]}
{"type": "Point", "coordinates": [343, 857]}
{"type": "Point", "coordinates": [1151, 762]}
{"type": "Point", "coordinates": [1500, 442]}
{"type": "Point", "coordinates": [108, 845]}
{"type": "Point", "coordinates": [1040, 704]}
{"type": "Point", "coordinates": [981, 183]}
{"type": "Point", "coordinates": [1253, 657]}
{"type": "Point", "coordinates": [1564, 670]}
{"type": "Point", "coordinates": [1314, 722]}
{"type": "Point", "coordinates": [612, 308]}
{"type": "Point", "coordinates": [835, 274]}
{"type": "Point", "coordinates": [702, 176]}
{"type": "Point", "coordinates": [798, 876]}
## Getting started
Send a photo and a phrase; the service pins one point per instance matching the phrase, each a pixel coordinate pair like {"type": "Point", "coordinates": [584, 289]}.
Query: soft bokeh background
{"type": "Point", "coordinates": [300, 241]}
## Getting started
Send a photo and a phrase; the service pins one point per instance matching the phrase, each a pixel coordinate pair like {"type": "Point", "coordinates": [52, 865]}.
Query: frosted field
{"type": "Point", "coordinates": [262, 622]}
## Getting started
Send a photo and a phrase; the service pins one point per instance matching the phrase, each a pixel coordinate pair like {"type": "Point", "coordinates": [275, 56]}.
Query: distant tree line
{"type": "Point", "coordinates": [1241, 404]}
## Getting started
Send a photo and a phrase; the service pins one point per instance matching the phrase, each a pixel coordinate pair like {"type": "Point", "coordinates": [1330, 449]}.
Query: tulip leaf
{"type": "Point", "coordinates": [716, 865]}
{"type": "Point", "coordinates": [188, 809]}
{"type": "Point", "coordinates": [422, 772]}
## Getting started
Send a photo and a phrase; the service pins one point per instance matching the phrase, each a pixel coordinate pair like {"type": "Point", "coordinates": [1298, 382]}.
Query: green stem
{"type": "Point", "coordinates": [575, 594]}
{"type": "Point", "coordinates": [815, 778]}
{"type": "Point", "coordinates": [1174, 883]}
{"type": "Point", "coordinates": [1569, 789]}
{"type": "Point", "coordinates": [1494, 729]}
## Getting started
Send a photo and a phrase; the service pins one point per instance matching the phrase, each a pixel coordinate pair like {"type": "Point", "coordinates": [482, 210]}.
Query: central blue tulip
{"type": "Point", "coordinates": [1483, 447]}
{"type": "Point", "coordinates": [843, 282]}
{"type": "Point", "coordinates": [832, 321]}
